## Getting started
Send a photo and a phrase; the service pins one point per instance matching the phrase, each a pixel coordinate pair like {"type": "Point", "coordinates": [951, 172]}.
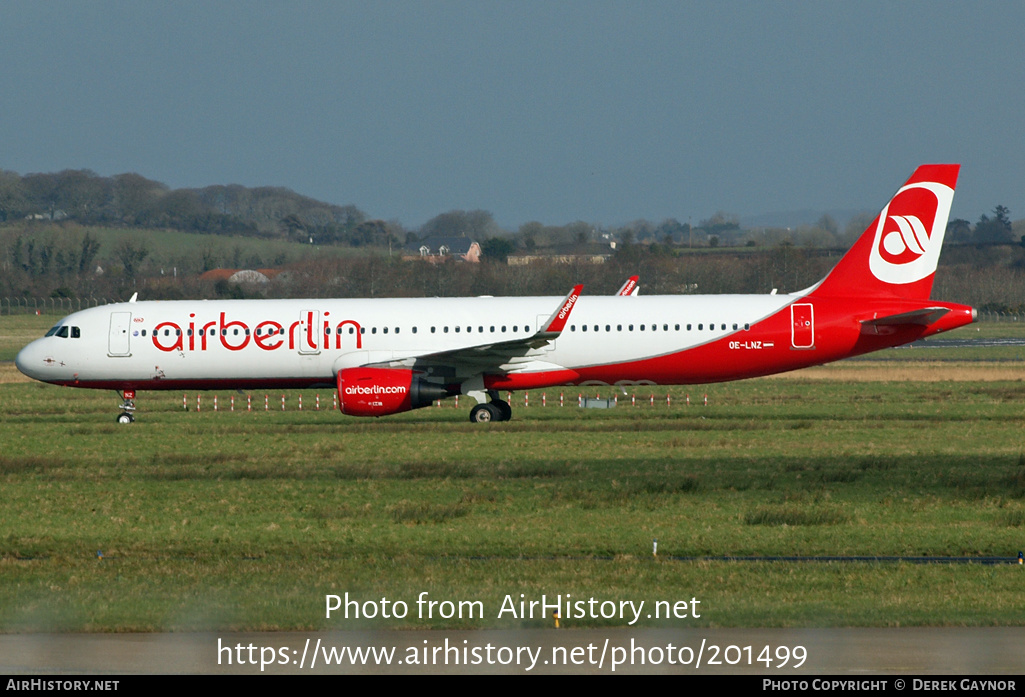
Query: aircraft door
{"type": "Point", "coordinates": [802, 318]}
{"type": "Point", "coordinates": [118, 338]}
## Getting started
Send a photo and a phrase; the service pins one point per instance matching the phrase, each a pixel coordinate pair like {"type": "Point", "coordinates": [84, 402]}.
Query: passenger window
{"type": "Point", "coordinates": [385, 330]}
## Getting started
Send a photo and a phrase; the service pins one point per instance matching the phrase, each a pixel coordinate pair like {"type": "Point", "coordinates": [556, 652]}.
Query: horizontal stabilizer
{"type": "Point", "coordinates": [923, 318]}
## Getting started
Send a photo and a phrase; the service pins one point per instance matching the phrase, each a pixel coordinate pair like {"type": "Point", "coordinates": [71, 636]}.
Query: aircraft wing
{"type": "Point", "coordinates": [476, 359]}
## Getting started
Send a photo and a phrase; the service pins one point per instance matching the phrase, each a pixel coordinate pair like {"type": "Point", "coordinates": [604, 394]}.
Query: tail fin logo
{"type": "Point", "coordinates": [909, 233]}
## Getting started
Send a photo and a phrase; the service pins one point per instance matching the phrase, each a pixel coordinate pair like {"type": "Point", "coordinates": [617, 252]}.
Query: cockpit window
{"type": "Point", "coordinates": [76, 333]}
{"type": "Point", "coordinates": [63, 332]}
{"type": "Point", "coordinates": [53, 331]}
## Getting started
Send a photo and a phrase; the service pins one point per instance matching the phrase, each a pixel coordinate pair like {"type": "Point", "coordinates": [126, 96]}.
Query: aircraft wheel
{"type": "Point", "coordinates": [483, 413]}
{"type": "Point", "coordinates": [125, 418]}
{"type": "Point", "coordinates": [504, 410]}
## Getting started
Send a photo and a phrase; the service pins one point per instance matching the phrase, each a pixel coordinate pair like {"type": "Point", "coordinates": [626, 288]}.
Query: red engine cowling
{"type": "Point", "coordinates": [383, 391]}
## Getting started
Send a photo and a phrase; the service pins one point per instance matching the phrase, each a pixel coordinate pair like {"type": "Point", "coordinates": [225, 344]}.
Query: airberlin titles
{"type": "Point", "coordinates": [375, 389]}
{"type": "Point", "coordinates": [559, 323]}
{"type": "Point", "coordinates": [382, 391]}
{"type": "Point", "coordinates": [269, 335]}
{"type": "Point", "coordinates": [564, 312]}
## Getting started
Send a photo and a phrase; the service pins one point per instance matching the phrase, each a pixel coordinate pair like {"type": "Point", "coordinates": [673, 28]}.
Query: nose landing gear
{"type": "Point", "coordinates": [127, 407]}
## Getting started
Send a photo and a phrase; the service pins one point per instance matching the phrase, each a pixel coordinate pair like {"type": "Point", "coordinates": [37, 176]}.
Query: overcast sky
{"type": "Point", "coordinates": [552, 111]}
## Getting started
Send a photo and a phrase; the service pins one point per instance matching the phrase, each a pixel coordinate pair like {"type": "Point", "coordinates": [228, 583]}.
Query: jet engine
{"type": "Point", "coordinates": [383, 391]}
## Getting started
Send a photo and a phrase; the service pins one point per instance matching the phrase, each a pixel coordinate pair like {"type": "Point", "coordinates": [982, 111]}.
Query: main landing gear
{"type": "Point", "coordinates": [127, 407]}
{"type": "Point", "coordinates": [495, 410]}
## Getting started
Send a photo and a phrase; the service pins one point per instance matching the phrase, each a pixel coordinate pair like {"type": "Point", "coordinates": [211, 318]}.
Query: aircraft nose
{"type": "Point", "coordinates": [28, 361]}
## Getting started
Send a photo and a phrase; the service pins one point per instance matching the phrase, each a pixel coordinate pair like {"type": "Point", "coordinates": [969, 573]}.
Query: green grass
{"type": "Point", "coordinates": [17, 331]}
{"type": "Point", "coordinates": [237, 520]}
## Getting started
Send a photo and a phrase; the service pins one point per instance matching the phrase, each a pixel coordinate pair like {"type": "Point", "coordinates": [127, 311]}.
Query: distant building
{"type": "Point", "coordinates": [524, 259]}
{"type": "Point", "coordinates": [436, 249]}
{"type": "Point", "coordinates": [240, 276]}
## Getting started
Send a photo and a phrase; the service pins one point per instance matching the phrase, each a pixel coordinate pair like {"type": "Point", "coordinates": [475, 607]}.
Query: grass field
{"type": "Point", "coordinates": [238, 520]}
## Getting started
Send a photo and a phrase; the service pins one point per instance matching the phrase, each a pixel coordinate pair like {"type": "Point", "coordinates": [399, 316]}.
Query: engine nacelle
{"type": "Point", "coordinates": [383, 391]}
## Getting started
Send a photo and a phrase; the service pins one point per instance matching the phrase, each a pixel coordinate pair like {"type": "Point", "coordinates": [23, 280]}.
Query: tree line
{"type": "Point", "coordinates": [990, 277]}
{"type": "Point", "coordinates": [133, 201]}
{"type": "Point", "coordinates": [51, 242]}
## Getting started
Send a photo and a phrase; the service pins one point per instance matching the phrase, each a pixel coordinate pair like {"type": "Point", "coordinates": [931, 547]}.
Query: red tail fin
{"type": "Point", "coordinates": [897, 255]}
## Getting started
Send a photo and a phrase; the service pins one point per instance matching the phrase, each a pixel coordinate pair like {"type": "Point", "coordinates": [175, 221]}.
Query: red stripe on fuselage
{"type": "Point", "coordinates": [765, 349]}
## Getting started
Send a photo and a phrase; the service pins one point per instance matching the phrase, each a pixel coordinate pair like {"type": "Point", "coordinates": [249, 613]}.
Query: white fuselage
{"type": "Point", "coordinates": [165, 344]}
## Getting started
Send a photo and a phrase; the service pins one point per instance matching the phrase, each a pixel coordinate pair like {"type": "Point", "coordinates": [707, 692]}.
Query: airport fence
{"type": "Point", "coordinates": [199, 402]}
{"type": "Point", "coordinates": [48, 306]}
{"type": "Point", "coordinates": [1001, 317]}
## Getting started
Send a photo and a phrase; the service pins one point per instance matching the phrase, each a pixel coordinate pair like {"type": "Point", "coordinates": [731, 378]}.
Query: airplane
{"type": "Point", "coordinates": [629, 288]}
{"type": "Point", "coordinates": [386, 356]}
